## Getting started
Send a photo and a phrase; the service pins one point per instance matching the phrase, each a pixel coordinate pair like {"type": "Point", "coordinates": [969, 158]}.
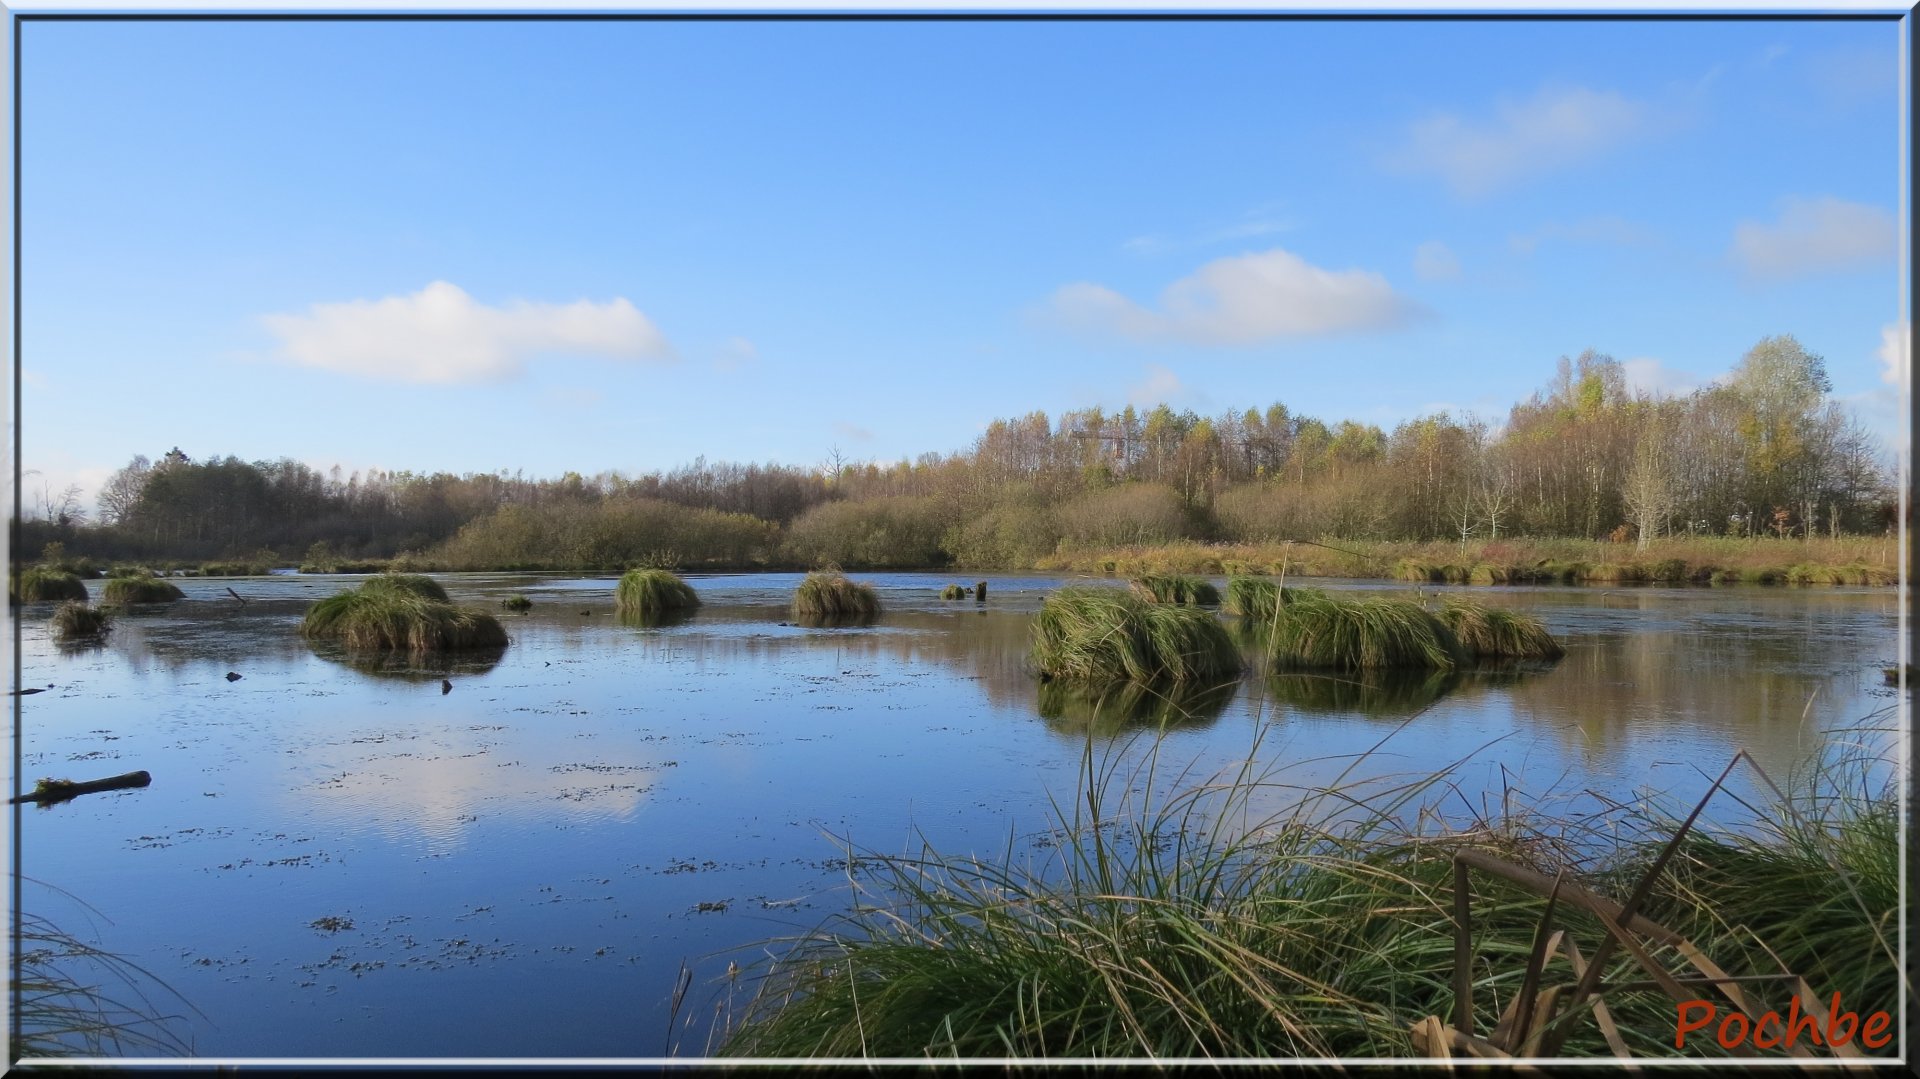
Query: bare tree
{"type": "Point", "coordinates": [122, 490]}
{"type": "Point", "coordinates": [1650, 492]}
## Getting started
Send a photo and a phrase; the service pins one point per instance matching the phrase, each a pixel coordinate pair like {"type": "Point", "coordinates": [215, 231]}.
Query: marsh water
{"type": "Point", "coordinates": [344, 859]}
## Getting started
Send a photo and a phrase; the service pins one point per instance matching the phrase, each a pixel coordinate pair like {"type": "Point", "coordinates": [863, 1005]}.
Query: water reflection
{"type": "Point", "coordinates": [411, 666]}
{"type": "Point", "coordinates": [1110, 709]}
{"type": "Point", "coordinates": [659, 619]}
{"type": "Point", "coordinates": [1367, 693]}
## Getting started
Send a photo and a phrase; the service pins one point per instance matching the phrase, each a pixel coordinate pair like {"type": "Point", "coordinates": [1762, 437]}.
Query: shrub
{"type": "Point", "coordinates": [870, 533]}
{"type": "Point", "coordinates": [642, 591]}
{"type": "Point", "coordinates": [1132, 513]}
{"type": "Point", "coordinates": [1098, 634]}
{"type": "Point", "coordinates": [831, 598]}
{"type": "Point", "coordinates": [122, 590]}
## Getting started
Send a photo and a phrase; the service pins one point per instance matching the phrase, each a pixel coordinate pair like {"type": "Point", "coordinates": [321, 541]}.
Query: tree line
{"type": "Point", "coordinates": [1766, 451]}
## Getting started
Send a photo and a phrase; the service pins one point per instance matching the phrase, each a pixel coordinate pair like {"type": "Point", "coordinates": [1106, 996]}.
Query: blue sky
{"type": "Point", "coordinates": [552, 246]}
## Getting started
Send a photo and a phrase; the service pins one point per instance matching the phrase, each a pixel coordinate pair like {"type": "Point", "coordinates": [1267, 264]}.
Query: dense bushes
{"type": "Point", "coordinates": [612, 534]}
{"type": "Point", "coordinates": [877, 533]}
{"type": "Point", "coordinates": [1134, 513]}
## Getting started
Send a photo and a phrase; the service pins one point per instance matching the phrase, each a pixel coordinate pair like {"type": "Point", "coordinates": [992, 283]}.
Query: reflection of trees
{"type": "Point", "coordinates": [411, 666]}
{"type": "Point", "coordinates": [1109, 709]}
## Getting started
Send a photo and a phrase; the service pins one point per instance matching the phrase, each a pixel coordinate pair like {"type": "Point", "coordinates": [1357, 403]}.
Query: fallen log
{"type": "Point", "coordinates": [48, 791]}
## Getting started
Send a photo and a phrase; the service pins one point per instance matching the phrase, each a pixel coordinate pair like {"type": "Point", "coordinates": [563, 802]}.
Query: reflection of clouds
{"type": "Point", "coordinates": [434, 785]}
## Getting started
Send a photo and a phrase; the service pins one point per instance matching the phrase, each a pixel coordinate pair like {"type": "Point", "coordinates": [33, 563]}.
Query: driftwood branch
{"type": "Point", "coordinates": [59, 790]}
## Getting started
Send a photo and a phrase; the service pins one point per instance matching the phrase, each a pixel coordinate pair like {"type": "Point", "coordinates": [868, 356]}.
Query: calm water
{"type": "Point", "coordinates": [527, 860]}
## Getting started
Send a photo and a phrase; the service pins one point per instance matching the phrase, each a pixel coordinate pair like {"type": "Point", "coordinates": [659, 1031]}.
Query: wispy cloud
{"type": "Point", "coordinates": [1645, 374]}
{"type": "Point", "coordinates": [1592, 230]}
{"type": "Point", "coordinates": [1159, 386]}
{"type": "Point", "coordinates": [1555, 128]}
{"type": "Point", "coordinates": [1814, 236]}
{"type": "Point", "coordinates": [1241, 300]}
{"type": "Point", "coordinates": [1260, 221]}
{"type": "Point", "coordinates": [442, 335]}
{"type": "Point", "coordinates": [1435, 261]}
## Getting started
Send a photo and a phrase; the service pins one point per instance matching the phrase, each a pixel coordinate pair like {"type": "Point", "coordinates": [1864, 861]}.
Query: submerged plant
{"type": "Point", "coordinates": [645, 591]}
{"type": "Point", "coordinates": [1099, 634]}
{"type": "Point", "coordinates": [122, 590]}
{"type": "Point", "coordinates": [74, 618]}
{"type": "Point", "coordinates": [830, 597]}
{"type": "Point", "coordinates": [1170, 588]}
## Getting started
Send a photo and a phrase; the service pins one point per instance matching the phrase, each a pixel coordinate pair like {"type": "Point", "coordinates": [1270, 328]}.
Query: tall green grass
{"type": "Point", "coordinates": [37, 584]}
{"type": "Point", "coordinates": [1254, 597]}
{"type": "Point", "coordinates": [1194, 924]}
{"type": "Point", "coordinates": [74, 618]}
{"type": "Point", "coordinates": [386, 618]}
{"type": "Point", "coordinates": [643, 591]}
{"type": "Point", "coordinates": [1100, 634]}
{"type": "Point", "coordinates": [1497, 633]}
{"type": "Point", "coordinates": [829, 597]}
{"type": "Point", "coordinates": [1317, 630]}
{"type": "Point", "coordinates": [78, 999]}
{"type": "Point", "coordinates": [1173, 588]}
{"type": "Point", "coordinates": [123, 590]}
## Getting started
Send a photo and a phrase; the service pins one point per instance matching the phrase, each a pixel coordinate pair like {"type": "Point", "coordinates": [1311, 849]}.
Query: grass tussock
{"type": "Point", "coordinates": [1191, 924]}
{"type": "Point", "coordinates": [73, 619]}
{"type": "Point", "coordinates": [1105, 634]}
{"type": "Point", "coordinates": [1315, 630]}
{"type": "Point", "coordinates": [517, 603]}
{"type": "Point", "coordinates": [1253, 597]}
{"type": "Point", "coordinates": [1175, 588]}
{"type": "Point", "coordinates": [955, 591]}
{"type": "Point", "coordinates": [125, 590]}
{"type": "Point", "coordinates": [650, 591]}
{"type": "Point", "coordinates": [1497, 633]}
{"type": "Point", "coordinates": [829, 597]}
{"type": "Point", "coordinates": [413, 584]}
{"type": "Point", "coordinates": [385, 618]}
{"type": "Point", "coordinates": [37, 584]}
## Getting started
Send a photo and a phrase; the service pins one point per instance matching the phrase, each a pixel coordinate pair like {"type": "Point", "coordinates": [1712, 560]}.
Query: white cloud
{"type": "Point", "coordinates": [1241, 300]}
{"type": "Point", "coordinates": [1895, 368]}
{"type": "Point", "coordinates": [1644, 374]}
{"type": "Point", "coordinates": [1815, 235]}
{"type": "Point", "coordinates": [1556, 128]}
{"type": "Point", "coordinates": [1435, 261]}
{"type": "Point", "coordinates": [1159, 387]}
{"type": "Point", "coordinates": [441, 335]}
{"type": "Point", "coordinates": [736, 353]}
{"type": "Point", "coordinates": [1595, 230]}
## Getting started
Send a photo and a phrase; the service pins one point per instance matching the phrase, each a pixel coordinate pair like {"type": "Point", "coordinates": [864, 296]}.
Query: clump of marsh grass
{"type": "Point", "coordinates": [954, 591]}
{"type": "Point", "coordinates": [652, 591]}
{"type": "Point", "coordinates": [1317, 630]}
{"type": "Point", "coordinates": [125, 590]}
{"type": "Point", "coordinates": [1103, 634]}
{"type": "Point", "coordinates": [388, 618]}
{"type": "Point", "coordinates": [73, 619]}
{"type": "Point", "coordinates": [37, 584]}
{"type": "Point", "coordinates": [829, 597]}
{"type": "Point", "coordinates": [1253, 597]}
{"type": "Point", "coordinates": [517, 603]}
{"type": "Point", "coordinates": [415, 584]}
{"type": "Point", "coordinates": [1173, 588]}
{"type": "Point", "coordinates": [1497, 633]}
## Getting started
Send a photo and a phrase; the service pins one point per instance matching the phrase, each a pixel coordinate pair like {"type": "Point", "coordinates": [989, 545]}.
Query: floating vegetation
{"type": "Point", "coordinates": [412, 583]}
{"type": "Point", "coordinates": [955, 591]}
{"type": "Point", "coordinates": [1098, 634]}
{"type": "Point", "coordinates": [125, 590]}
{"type": "Point", "coordinates": [1111, 707]}
{"type": "Point", "coordinates": [37, 584]}
{"type": "Point", "coordinates": [517, 603]}
{"type": "Point", "coordinates": [1316, 630]}
{"type": "Point", "coordinates": [1170, 588]}
{"type": "Point", "coordinates": [1376, 693]}
{"type": "Point", "coordinates": [389, 618]}
{"type": "Point", "coordinates": [828, 597]}
{"type": "Point", "coordinates": [1497, 633]}
{"type": "Point", "coordinates": [648, 591]}
{"type": "Point", "coordinates": [74, 619]}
